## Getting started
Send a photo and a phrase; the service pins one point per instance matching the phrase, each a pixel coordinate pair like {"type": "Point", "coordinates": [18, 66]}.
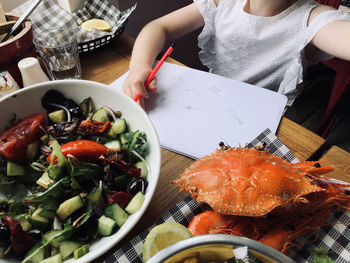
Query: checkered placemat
{"type": "Point", "coordinates": [334, 238]}
{"type": "Point", "coordinates": [49, 16]}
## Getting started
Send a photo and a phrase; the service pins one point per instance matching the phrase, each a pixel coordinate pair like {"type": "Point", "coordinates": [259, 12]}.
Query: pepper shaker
{"type": "Point", "coordinates": [31, 71]}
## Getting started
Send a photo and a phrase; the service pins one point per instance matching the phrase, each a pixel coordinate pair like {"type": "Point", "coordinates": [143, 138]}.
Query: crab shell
{"type": "Point", "coordinates": [248, 182]}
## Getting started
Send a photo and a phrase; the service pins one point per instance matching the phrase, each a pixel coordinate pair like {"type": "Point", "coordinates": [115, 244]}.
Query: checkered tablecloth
{"type": "Point", "coordinates": [335, 238]}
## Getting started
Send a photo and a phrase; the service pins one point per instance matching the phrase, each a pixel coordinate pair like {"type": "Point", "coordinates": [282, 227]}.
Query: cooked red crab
{"type": "Point", "coordinates": [262, 193]}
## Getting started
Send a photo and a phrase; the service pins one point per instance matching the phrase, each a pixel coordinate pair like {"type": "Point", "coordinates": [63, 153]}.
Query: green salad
{"type": "Point", "coordinates": [69, 180]}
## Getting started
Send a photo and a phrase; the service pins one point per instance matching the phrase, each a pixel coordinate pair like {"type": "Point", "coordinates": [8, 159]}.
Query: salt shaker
{"type": "Point", "coordinates": [31, 71]}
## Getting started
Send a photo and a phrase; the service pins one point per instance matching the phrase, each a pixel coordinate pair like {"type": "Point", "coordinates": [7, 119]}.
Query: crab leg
{"type": "Point", "coordinates": [313, 167]}
{"type": "Point", "coordinates": [277, 238]}
{"type": "Point", "coordinates": [207, 221]}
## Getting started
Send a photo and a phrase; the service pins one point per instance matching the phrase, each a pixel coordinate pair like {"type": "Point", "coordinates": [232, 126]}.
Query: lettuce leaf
{"type": "Point", "coordinates": [57, 170]}
{"type": "Point", "coordinates": [56, 191]}
{"type": "Point", "coordinates": [12, 190]}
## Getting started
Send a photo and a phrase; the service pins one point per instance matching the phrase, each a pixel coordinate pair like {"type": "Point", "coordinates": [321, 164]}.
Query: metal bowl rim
{"type": "Point", "coordinates": [168, 252]}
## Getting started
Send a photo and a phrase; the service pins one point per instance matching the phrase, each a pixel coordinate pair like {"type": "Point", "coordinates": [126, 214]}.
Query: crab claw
{"type": "Point", "coordinates": [207, 221]}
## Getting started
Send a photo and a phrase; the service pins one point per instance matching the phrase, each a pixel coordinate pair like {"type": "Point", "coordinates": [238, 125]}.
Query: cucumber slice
{"type": "Point", "coordinates": [143, 166]}
{"type": "Point", "coordinates": [69, 206]}
{"type": "Point", "coordinates": [57, 116]}
{"type": "Point", "coordinates": [117, 213]}
{"type": "Point", "coordinates": [54, 259]}
{"type": "Point", "coordinates": [101, 115]}
{"type": "Point", "coordinates": [23, 220]}
{"type": "Point", "coordinates": [14, 169]}
{"type": "Point", "coordinates": [114, 145]}
{"type": "Point", "coordinates": [124, 139]}
{"type": "Point", "coordinates": [44, 213]}
{"type": "Point", "coordinates": [38, 222]}
{"type": "Point", "coordinates": [45, 180]}
{"type": "Point", "coordinates": [44, 139]}
{"type": "Point", "coordinates": [135, 203]}
{"type": "Point", "coordinates": [95, 197]}
{"type": "Point", "coordinates": [56, 236]}
{"type": "Point", "coordinates": [117, 127]}
{"type": "Point", "coordinates": [81, 251]}
{"type": "Point", "coordinates": [52, 237]}
{"type": "Point", "coordinates": [67, 248]}
{"type": "Point", "coordinates": [32, 150]}
{"type": "Point", "coordinates": [106, 226]}
{"type": "Point", "coordinates": [35, 254]}
{"type": "Point", "coordinates": [47, 213]}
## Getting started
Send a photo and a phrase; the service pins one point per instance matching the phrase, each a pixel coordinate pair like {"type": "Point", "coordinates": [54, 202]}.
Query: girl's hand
{"type": "Point", "coordinates": [135, 83]}
{"type": "Point", "coordinates": [150, 42]}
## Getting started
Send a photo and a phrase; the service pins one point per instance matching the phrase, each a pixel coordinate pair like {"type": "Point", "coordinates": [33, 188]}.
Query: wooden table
{"type": "Point", "coordinates": [340, 160]}
{"type": "Point", "coordinates": [107, 64]}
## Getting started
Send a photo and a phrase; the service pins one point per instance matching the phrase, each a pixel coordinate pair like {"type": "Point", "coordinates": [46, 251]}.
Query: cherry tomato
{"type": "Point", "coordinates": [120, 198]}
{"type": "Point", "coordinates": [94, 127]}
{"type": "Point", "coordinates": [83, 150]}
{"type": "Point", "coordinates": [14, 141]}
{"type": "Point", "coordinates": [123, 166]}
{"type": "Point", "coordinates": [20, 240]}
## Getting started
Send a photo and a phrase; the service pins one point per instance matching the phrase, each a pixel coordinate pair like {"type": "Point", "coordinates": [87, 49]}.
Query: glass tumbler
{"type": "Point", "coordinates": [58, 50]}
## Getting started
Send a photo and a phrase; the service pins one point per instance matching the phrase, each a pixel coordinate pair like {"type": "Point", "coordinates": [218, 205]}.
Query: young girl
{"type": "Point", "coordinates": [268, 43]}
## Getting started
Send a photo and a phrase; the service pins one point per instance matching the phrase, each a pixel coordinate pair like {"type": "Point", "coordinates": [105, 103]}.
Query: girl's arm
{"type": "Point", "coordinates": [150, 42]}
{"type": "Point", "coordinates": [333, 38]}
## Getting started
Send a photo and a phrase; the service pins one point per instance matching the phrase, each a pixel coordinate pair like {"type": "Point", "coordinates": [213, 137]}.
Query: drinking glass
{"type": "Point", "coordinates": [59, 52]}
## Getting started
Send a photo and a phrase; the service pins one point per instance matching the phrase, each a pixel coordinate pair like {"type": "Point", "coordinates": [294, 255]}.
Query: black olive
{"type": "Point", "coordinates": [5, 234]}
{"type": "Point", "coordinates": [4, 207]}
{"type": "Point", "coordinates": [55, 97]}
{"type": "Point", "coordinates": [111, 173]}
{"type": "Point", "coordinates": [137, 186]}
{"type": "Point", "coordinates": [347, 192]}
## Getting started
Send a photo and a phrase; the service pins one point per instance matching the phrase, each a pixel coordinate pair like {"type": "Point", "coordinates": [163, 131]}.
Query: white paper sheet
{"type": "Point", "coordinates": [194, 110]}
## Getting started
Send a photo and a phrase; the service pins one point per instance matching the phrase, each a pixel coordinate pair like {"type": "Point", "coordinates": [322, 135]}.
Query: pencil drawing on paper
{"type": "Point", "coordinates": [191, 98]}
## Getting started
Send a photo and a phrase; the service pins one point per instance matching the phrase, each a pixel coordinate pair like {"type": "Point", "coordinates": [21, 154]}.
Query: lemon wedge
{"type": "Point", "coordinates": [99, 24]}
{"type": "Point", "coordinates": [162, 236]}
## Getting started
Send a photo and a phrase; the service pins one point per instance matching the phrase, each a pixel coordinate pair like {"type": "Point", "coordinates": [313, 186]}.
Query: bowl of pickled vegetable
{"type": "Point", "coordinates": [79, 163]}
{"type": "Point", "coordinates": [219, 248]}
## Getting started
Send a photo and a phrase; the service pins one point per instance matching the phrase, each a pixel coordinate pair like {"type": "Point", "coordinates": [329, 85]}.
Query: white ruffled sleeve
{"type": "Point", "coordinates": [206, 38]}
{"type": "Point", "coordinates": [293, 77]}
{"type": "Point", "coordinates": [323, 19]}
{"type": "Point", "coordinates": [206, 8]}
{"type": "Point", "coordinates": [320, 21]}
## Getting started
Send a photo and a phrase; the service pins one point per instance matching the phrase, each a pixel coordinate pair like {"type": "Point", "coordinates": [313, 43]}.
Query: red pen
{"type": "Point", "coordinates": [156, 68]}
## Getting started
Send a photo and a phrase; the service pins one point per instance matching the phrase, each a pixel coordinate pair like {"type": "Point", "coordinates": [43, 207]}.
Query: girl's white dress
{"type": "Point", "coordinates": [269, 52]}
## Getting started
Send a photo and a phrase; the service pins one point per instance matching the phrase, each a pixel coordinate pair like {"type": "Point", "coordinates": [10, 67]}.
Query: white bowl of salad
{"type": "Point", "coordinates": [79, 163]}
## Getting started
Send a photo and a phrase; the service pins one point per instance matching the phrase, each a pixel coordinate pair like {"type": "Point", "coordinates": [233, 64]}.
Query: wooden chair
{"type": "Point", "coordinates": [341, 82]}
